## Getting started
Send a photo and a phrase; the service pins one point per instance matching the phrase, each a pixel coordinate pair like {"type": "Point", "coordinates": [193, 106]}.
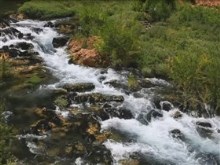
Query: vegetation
{"type": "Point", "coordinates": [40, 9]}
{"type": "Point", "coordinates": [6, 132]}
{"type": "Point", "coordinates": [162, 38]}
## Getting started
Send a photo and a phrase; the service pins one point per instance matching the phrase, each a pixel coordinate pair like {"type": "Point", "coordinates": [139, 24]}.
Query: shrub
{"type": "Point", "coordinates": [159, 9]}
{"type": "Point", "coordinates": [197, 77]}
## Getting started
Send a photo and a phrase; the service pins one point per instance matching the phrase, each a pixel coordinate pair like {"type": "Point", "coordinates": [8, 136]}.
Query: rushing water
{"type": "Point", "coordinates": [152, 141]}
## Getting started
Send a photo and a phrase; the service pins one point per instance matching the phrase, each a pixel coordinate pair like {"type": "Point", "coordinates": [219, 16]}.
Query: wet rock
{"type": "Point", "coordinates": [4, 23]}
{"type": "Point", "coordinates": [97, 97]}
{"type": "Point", "coordinates": [11, 32]}
{"type": "Point", "coordinates": [80, 87]}
{"type": "Point", "coordinates": [37, 30]}
{"type": "Point", "coordinates": [145, 118]}
{"type": "Point", "coordinates": [204, 124]}
{"type": "Point", "coordinates": [44, 113]}
{"type": "Point", "coordinates": [49, 24]}
{"type": "Point", "coordinates": [166, 105]}
{"type": "Point", "coordinates": [177, 115]}
{"type": "Point", "coordinates": [100, 154]}
{"type": "Point", "coordinates": [146, 83]}
{"type": "Point", "coordinates": [60, 41]}
{"type": "Point", "coordinates": [24, 46]}
{"type": "Point", "coordinates": [153, 114]}
{"type": "Point", "coordinates": [176, 133]}
{"type": "Point", "coordinates": [204, 129]}
{"type": "Point", "coordinates": [107, 111]}
{"type": "Point", "coordinates": [117, 84]}
{"type": "Point", "coordinates": [62, 101]}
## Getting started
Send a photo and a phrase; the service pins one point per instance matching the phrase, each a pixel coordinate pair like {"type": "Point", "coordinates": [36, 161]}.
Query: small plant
{"type": "Point", "coordinates": [4, 66]}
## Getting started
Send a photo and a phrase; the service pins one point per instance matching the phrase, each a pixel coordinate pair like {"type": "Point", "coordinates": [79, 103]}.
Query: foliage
{"type": "Point", "coordinates": [159, 9]}
{"type": "Point", "coordinates": [40, 9]}
{"type": "Point", "coordinates": [118, 31]}
{"type": "Point", "coordinates": [6, 133]}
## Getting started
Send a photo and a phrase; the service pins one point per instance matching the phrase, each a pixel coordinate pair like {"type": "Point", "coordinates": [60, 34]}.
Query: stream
{"type": "Point", "coordinates": [156, 140]}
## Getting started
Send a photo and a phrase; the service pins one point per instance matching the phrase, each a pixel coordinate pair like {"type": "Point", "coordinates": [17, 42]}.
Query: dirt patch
{"type": "Point", "coordinates": [84, 52]}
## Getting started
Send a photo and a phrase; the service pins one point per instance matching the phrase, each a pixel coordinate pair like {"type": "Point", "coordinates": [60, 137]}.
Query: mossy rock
{"type": "Point", "coordinates": [61, 101]}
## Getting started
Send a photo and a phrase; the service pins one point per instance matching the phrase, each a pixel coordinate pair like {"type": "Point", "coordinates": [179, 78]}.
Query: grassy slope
{"type": "Point", "coordinates": [184, 46]}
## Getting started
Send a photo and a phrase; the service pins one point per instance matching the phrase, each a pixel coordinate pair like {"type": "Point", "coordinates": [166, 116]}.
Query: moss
{"type": "Point", "coordinates": [61, 101]}
{"type": "Point", "coordinates": [34, 80]}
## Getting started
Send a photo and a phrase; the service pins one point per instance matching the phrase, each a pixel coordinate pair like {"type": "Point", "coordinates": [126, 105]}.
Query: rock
{"type": "Point", "coordinates": [146, 84]}
{"type": "Point", "coordinates": [18, 17]}
{"type": "Point", "coordinates": [60, 41]}
{"type": "Point", "coordinates": [24, 46]}
{"type": "Point", "coordinates": [166, 105]}
{"type": "Point", "coordinates": [177, 114]}
{"type": "Point", "coordinates": [37, 30]}
{"type": "Point", "coordinates": [4, 23]}
{"type": "Point", "coordinates": [145, 118]}
{"type": "Point", "coordinates": [97, 97]}
{"type": "Point", "coordinates": [62, 101]}
{"type": "Point", "coordinates": [49, 24]}
{"type": "Point", "coordinates": [100, 155]}
{"type": "Point", "coordinates": [176, 133]}
{"type": "Point", "coordinates": [204, 129]}
{"type": "Point", "coordinates": [117, 84]}
{"type": "Point", "coordinates": [11, 32]}
{"type": "Point", "coordinates": [80, 87]}
{"type": "Point", "coordinates": [108, 112]}
{"type": "Point", "coordinates": [83, 52]}
{"type": "Point", "coordinates": [204, 124]}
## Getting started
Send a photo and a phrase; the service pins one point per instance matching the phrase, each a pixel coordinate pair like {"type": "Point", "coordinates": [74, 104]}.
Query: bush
{"type": "Point", "coordinates": [198, 78]}
{"type": "Point", "coordinates": [120, 44]}
{"type": "Point", "coordinates": [160, 9]}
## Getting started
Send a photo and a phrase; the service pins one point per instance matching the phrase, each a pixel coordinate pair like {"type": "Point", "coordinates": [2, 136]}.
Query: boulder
{"type": "Point", "coordinates": [49, 24]}
{"type": "Point", "coordinates": [24, 46]}
{"type": "Point", "coordinates": [83, 52]}
{"type": "Point", "coordinates": [166, 105]}
{"type": "Point", "coordinates": [60, 41]}
{"type": "Point", "coordinates": [204, 124]}
{"type": "Point", "coordinates": [79, 87]}
{"type": "Point", "coordinates": [177, 134]}
{"type": "Point", "coordinates": [204, 129]}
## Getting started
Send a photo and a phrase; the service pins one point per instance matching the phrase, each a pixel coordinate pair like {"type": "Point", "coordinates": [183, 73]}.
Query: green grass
{"type": "Point", "coordinates": [40, 9]}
